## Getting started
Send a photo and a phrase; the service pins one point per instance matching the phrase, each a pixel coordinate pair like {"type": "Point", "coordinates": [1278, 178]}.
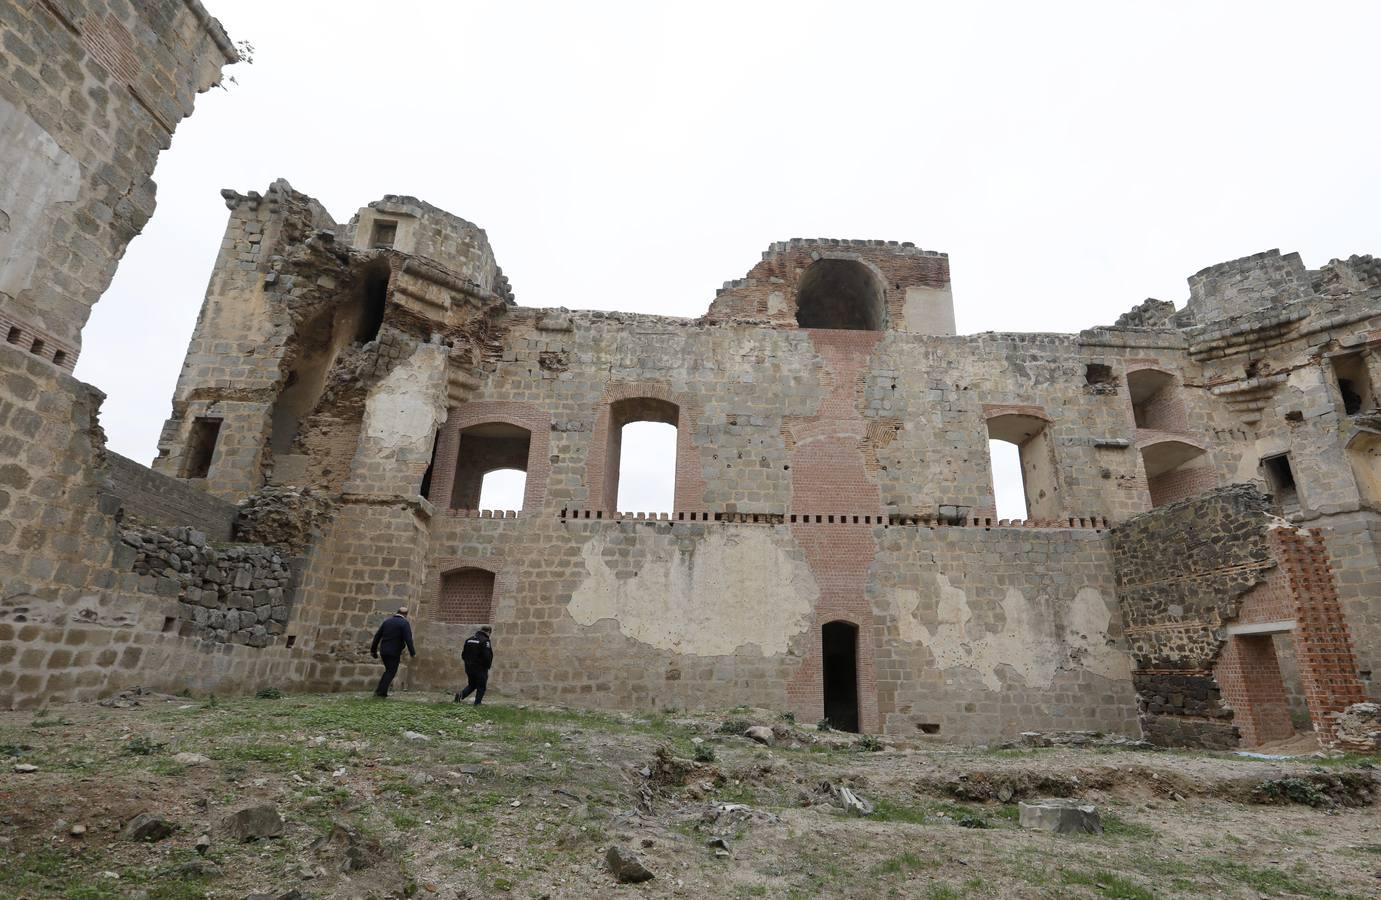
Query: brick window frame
{"type": "Point", "coordinates": [644, 400]}
{"type": "Point", "coordinates": [465, 595]}
{"type": "Point", "coordinates": [507, 412]}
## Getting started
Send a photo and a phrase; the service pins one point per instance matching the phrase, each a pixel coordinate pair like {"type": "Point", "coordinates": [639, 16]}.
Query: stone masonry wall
{"type": "Point", "coordinates": [90, 92]}
{"type": "Point", "coordinates": [238, 594]}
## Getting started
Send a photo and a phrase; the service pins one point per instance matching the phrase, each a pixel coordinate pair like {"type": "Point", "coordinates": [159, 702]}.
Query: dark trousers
{"type": "Point", "coordinates": [390, 669]}
{"type": "Point", "coordinates": [478, 681]}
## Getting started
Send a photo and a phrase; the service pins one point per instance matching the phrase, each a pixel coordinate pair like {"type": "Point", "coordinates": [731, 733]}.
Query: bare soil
{"type": "Point", "coordinates": [524, 800]}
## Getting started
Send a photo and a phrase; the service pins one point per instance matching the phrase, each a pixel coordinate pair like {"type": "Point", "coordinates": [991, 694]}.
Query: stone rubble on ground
{"type": "Point", "coordinates": [253, 822]}
{"type": "Point", "coordinates": [147, 827]}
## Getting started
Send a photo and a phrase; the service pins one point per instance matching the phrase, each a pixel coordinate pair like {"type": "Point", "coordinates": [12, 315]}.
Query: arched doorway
{"type": "Point", "coordinates": [839, 669]}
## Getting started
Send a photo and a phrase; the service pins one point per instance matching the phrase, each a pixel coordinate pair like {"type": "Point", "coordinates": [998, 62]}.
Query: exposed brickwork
{"type": "Point", "coordinates": [467, 597]}
{"type": "Point", "coordinates": [1181, 483]}
{"type": "Point", "coordinates": [522, 415]}
{"type": "Point", "coordinates": [1249, 676]}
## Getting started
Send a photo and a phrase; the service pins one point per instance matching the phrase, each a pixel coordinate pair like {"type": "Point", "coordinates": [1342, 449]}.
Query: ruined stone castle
{"type": "Point", "coordinates": [1200, 562]}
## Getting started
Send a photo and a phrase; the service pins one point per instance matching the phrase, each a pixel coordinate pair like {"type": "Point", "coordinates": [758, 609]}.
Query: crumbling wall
{"type": "Point", "coordinates": [237, 594]}
{"type": "Point", "coordinates": [157, 499]}
{"type": "Point", "coordinates": [1182, 571]}
{"type": "Point", "coordinates": [89, 95]}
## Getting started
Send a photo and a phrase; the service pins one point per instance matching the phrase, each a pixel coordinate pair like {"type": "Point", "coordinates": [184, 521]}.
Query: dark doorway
{"type": "Point", "coordinates": [839, 662]}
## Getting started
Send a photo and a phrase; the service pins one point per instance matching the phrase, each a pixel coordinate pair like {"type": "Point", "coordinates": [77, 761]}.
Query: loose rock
{"type": "Point", "coordinates": [762, 734]}
{"type": "Point", "coordinates": [190, 759]}
{"type": "Point", "coordinates": [626, 866]}
{"type": "Point", "coordinates": [253, 822]}
{"type": "Point", "coordinates": [1061, 816]}
{"type": "Point", "coordinates": [147, 827]}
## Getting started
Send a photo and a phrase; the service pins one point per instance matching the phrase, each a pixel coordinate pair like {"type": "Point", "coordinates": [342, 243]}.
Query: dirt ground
{"type": "Point", "coordinates": [524, 800]}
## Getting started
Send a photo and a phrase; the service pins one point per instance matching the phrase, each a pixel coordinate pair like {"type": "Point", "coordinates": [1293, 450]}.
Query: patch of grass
{"type": "Point", "coordinates": [268, 693]}
{"type": "Point", "coordinates": [404, 821]}
{"type": "Point", "coordinates": [1267, 880]}
{"type": "Point", "coordinates": [1107, 884]}
{"type": "Point", "coordinates": [867, 744]}
{"type": "Point", "coordinates": [904, 862]}
{"type": "Point", "coordinates": [942, 892]}
{"type": "Point", "coordinates": [1118, 827]}
{"type": "Point", "coordinates": [733, 726]}
{"type": "Point", "coordinates": [703, 753]}
{"type": "Point", "coordinates": [888, 811]}
{"type": "Point", "coordinates": [142, 746]}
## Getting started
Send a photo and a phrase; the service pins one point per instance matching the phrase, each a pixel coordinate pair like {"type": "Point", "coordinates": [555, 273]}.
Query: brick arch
{"type": "Point", "coordinates": [602, 483]}
{"type": "Point", "coordinates": [480, 412]}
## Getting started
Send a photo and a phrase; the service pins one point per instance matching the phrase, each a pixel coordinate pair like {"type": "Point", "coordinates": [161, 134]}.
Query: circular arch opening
{"type": "Point", "coordinates": [842, 294]}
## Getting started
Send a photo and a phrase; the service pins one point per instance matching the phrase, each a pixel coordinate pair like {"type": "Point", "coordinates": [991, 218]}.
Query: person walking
{"type": "Point", "coordinates": [478, 656]}
{"type": "Point", "coordinates": [393, 635]}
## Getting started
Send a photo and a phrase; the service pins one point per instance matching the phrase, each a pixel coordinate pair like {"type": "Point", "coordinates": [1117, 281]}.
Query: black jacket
{"type": "Point", "coordinates": [478, 652]}
{"type": "Point", "coordinates": [392, 636]}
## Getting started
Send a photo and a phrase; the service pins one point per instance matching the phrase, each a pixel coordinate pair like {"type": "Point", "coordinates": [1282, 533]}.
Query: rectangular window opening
{"type": "Point", "coordinates": [292, 639]}
{"type": "Point", "coordinates": [384, 234]}
{"type": "Point", "coordinates": [201, 446]}
{"type": "Point", "coordinates": [1354, 383]}
{"type": "Point", "coordinates": [60, 357]}
{"type": "Point", "coordinates": [37, 348]}
{"type": "Point", "coordinates": [1280, 478]}
{"type": "Point", "coordinates": [15, 335]}
{"type": "Point", "coordinates": [169, 623]}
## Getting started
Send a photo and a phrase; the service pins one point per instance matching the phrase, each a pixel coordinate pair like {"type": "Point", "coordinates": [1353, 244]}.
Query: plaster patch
{"type": "Point", "coordinates": [1034, 643]}
{"type": "Point", "coordinates": [405, 406]}
{"type": "Point", "coordinates": [38, 174]}
{"type": "Point", "coordinates": [737, 588]}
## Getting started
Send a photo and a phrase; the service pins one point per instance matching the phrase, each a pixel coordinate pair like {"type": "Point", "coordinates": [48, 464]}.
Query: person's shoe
{"type": "Point", "coordinates": [477, 703]}
{"type": "Point", "coordinates": [458, 698]}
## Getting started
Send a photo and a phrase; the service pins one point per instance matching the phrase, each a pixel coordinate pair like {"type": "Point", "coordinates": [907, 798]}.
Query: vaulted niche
{"type": "Point", "coordinates": [467, 597]}
{"type": "Point", "coordinates": [354, 319]}
{"type": "Point", "coordinates": [840, 293]}
{"type": "Point", "coordinates": [1156, 401]}
{"type": "Point", "coordinates": [1175, 470]}
{"type": "Point", "coordinates": [1036, 453]}
{"type": "Point", "coordinates": [1354, 383]}
{"type": "Point", "coordinates": [491, 467]}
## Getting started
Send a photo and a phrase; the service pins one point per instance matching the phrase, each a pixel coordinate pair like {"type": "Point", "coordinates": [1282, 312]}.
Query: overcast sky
{"type": "Point", "coordinates": [1073, 159]}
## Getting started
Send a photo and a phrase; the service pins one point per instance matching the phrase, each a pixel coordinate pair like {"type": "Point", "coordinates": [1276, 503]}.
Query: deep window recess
{"type": "Point", "coordinates": [384, 234]}
{"type": "Point", "coordinates": [1036, 455]}
{"type": "Point", "coordinates": [1280, 478]}
{"type": "Point", "coordinates": [201, 447]}
{"type": "Point", "coordinates": [1156, 400]}
{"type": "Point", "coordinates": [1354, 383]}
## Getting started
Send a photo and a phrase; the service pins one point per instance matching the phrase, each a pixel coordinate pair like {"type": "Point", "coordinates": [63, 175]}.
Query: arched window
{"type": "Point", "coordinates": [467, 597]}
{"type": "Point", "coordinates": [491, 459]}
{"type": "Point", "coordinates": [1035, 455]}
{"type": "Point", "coordinates": [640, 456]}
{"type": "Point", "coordinates": [840, 293]}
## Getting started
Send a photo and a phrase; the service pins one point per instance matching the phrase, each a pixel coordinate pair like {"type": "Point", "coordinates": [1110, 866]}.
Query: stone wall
{"type": "Point", "coordinates": [155, 498]}
{"type": "Point", "coordinates": [238, 594]}
{"type": "Point", "coordinates": [90, 92]}
{"type": "Point", "coordinates": [1182, 571]}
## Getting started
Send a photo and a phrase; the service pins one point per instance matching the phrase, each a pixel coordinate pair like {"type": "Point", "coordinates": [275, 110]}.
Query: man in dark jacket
{"type": "Point", "coordinates": [389, 641]}
{"type": "Point", "coordinates": [478, 656]}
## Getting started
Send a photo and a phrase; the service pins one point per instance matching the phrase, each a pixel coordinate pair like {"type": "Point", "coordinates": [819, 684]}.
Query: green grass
{"type": "Point", "coordinates": [1114, 887]}
{"type": "Point", "coordinates": [904, 862]}
{"type": "Point", "coordinates": [888, 811]}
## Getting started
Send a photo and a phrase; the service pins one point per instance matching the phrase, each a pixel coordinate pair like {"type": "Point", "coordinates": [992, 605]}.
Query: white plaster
{"type": "Point", "coordinates": [736, 589]}
{"type": "Point", "coordinates": [928, 310]}
{"type": "Point", "coordinates": [1033, 643]}
{"type": "Point", "coordinates": [37, 174]}
{"type": "Point", "coordinates": [406, 405]}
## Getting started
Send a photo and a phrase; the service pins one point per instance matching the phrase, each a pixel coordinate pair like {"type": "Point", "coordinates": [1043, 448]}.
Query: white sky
{"type": "Point", "coordinates": [1072, 159]}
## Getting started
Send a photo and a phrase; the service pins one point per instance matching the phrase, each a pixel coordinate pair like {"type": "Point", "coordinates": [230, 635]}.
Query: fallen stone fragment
{"type": "Point", "coordinates": [1358, 727]}
{"type": "Point", "coordinates": [77, 830]}
{"type": "Point", "coordinates": [415, 736]}
{"type": "Point", "coordinates": [203, 844]}
{"type": "Point", "coordinates": [190, 759]}
{"type": "Point", "coordinates": [626, 866]}
{"type": "Point", "coordinates": [25, 768]}
{"type": "Point", "coordinates": [718, 843]}
{"type": "Point", "coordinates": [1061, 816]}
{"type": "Point", "coordinates": [253, 822]}
{"type": "Point", "coordinates": [762, 734]}
{"type": "Point", "coordinates": [851, 803]}
{"type": "Point", "coordinates": [147, 827]}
